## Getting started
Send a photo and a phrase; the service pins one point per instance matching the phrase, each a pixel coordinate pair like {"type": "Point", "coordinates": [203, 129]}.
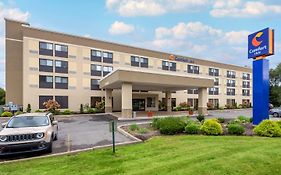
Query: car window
{"type": "Point", "coordinates": [28, 121]}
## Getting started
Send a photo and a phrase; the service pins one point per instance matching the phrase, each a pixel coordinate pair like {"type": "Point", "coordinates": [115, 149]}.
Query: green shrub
{"type": "Point", "coordinates": [221, 120]}
{"type": "Point", "coordinates": [235, 129]}
{"type": "Point", "coordinates": [67, 112]}
{"type": "Point", "coordinates": [18, 113]}
{"type": "Point", "coordinates": [268, 128]}
{"type": "Point", "coordinates": [142, 130]}
{"type": "Point", "coordinates": [279, 123]}
{"type": "Point", "coordinates": [211, 127]}
{"type": "Point", "coordinates": [192, 128]}
{"type": "Point", "coordinates": [221, 108]}
{"type": "Point", "coordinates": [38, 110]}
{"type": "Point", "coordinates": [244, 119]}
{"type": "Point", "coordinates": [28, 109]}
{"type": "Point", "coordinates": [186, 119]}
{"type": "Point", "coordinates": [171, 125]}
{"type": "Point", "coordinates": [133, 127]}
{"type": "Point", "coordinates": [91, 110]}
{"type": "Point", "coordinates": [156, 123]}
{"type": "Point", "coordinates": [200, 118]}
{"type": "Point", "coordinates": [6, 114]}
{"type": "Point", "coordinates": [178, 108]}
{"type": "Point", "coordinates": [235, 121]}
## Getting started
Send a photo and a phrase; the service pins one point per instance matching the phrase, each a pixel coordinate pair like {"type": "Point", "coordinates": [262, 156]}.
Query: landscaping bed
{"type": "Point", "coordinates": [241, 126]}
{"type": "Point", "coordinates": [141, 131]}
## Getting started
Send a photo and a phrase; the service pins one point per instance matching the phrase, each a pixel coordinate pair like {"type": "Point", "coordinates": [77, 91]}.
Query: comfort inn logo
{"type": "Point", "coordinates": [260, 44]}
{"type": "Point", "coordinates": [255, 41]}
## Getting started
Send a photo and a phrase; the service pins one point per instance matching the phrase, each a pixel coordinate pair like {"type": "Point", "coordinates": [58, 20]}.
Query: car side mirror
{"type": "Point", "coordinates": [55, 123]}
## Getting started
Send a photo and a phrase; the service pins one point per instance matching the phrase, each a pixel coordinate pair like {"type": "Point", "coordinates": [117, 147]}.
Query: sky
{"type": "Point", "coordinates": [214, 30]}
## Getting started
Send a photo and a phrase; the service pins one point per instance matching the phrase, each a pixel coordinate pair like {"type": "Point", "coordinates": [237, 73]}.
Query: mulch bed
{"type": "Point", "coordinates": [152, 132]}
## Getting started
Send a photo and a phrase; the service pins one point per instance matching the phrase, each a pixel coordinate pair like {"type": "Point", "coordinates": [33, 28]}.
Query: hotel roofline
{"type": "Point", "coordinates": [91, 42]}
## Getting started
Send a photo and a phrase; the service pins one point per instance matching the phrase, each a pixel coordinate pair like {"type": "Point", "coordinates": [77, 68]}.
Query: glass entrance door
{"type": "Point", "coordinates": [138, 104]}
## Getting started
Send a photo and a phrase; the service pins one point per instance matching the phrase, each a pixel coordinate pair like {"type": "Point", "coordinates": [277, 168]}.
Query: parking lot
{"type": "Point", "coordinates": [83, 131]}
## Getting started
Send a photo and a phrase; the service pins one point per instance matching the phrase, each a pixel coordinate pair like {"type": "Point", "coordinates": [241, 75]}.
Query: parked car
{"type": "Point", "coordinates": [276, 112]}
{"type": "Point", "coordinates": [31, 132]}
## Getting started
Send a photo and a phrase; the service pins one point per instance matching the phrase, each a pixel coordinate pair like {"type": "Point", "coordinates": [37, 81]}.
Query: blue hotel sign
{"type": "Point", "coordinates": [260, 45]}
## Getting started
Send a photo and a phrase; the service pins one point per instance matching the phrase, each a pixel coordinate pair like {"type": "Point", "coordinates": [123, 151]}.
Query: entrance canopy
{"type": "Point", "coordinates": [151, 80]}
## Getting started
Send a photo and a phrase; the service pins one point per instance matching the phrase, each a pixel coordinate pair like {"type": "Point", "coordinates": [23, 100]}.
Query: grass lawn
{"type": "Point", "coordinates": [167, 155]}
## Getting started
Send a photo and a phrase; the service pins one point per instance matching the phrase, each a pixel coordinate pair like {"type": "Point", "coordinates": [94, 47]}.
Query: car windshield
{"type": "Point", "coordinates": [28, 121]}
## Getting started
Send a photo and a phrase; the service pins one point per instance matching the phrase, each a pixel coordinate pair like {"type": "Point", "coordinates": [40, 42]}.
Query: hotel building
{"type": "Point", "coordinates": [43, 64]}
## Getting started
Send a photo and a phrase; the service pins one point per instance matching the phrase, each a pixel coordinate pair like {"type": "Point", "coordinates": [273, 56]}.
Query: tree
{"type": "Point", "coordinates": [2, 96]}
{"type": "Point", "coordinates": [275, 85]}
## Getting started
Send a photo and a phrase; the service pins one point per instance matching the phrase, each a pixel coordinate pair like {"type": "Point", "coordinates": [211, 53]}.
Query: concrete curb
{"type": "Point", "coordinates": [122, 131]}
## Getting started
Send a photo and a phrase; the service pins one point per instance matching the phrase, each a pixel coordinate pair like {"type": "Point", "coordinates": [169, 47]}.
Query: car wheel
{"type": "Point", "coordinates": [275, 114]}
{"type": "Point", "coordinates": [50, 148]}
{"type": "Point", "coordinates": [56, 137]}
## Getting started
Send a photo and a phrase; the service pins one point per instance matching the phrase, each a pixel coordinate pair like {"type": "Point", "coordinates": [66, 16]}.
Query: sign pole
{"type": "Point", "coordinates": [261, 45]}
{"type": "Point", "coordinates": [113, 136]}
{"type": "Point", "coordinates": [260, 90]}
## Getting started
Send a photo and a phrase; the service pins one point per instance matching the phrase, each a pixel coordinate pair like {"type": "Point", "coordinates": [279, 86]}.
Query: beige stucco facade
{"type": "Point", "coordinates": [22, 71]}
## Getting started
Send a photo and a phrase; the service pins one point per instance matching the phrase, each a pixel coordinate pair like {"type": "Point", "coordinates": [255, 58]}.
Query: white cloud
{"type": "Point", "coordinates": [191, 29]}
{"type": "Point", "coordinates": [11, 13]}
{"type": "Point", "coordinates": [130, 8]}
{"type": "Point", "coordinates": [236, 8]}
{"type": "Point", "coordinates": [120, 28]}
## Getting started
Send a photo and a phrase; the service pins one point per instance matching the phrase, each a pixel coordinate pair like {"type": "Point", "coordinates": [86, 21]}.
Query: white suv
{"type": "Point", "coordinates": [31, 132]}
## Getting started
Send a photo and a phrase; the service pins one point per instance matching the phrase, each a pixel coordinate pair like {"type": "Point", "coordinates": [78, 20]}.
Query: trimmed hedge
{"type": "Point", "coordinates": [268, 128]}
{"type": "Point", "coordinates": [192, 128]}
{"type": "Point", "coordinates": [170, 125]}
{"type": "Point", "coordinates": [211, 127]}
{"type": "Point", "coordinates": [235, 129]}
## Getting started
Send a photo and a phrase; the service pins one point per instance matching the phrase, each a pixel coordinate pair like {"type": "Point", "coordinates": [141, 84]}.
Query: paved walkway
{"type": "Point", "coordinates": [232, 113]}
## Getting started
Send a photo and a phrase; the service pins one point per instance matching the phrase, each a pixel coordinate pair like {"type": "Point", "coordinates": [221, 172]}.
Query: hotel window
{"type": "Point", "coordinates": [45, 65]}
{"type": "Point", "coordinates": [61, 82]}
{"type": "Point", "coordinates": [193, 69]}
{"type": "Point", "coordinates": [215, 102]}
{"type": "Point", "coordinates": [107, 57]}
{"type": "Point", "coordinates": [95, 85]}
{"type": "Point", "coordinates": [43, 99]}
{"type": "Point", "coordinates": [230, 83]}
{"type": "Point", "coordinates": [151, 102]}
{"type": "Point", "coordinates": [166, 65]}
{"type": "Point", "coordinates": [246, 84]}
{"type": "Point", "coordinates": [192, 91]}
{"type": "Point", "coordinates": [96, 70]}
{"type": "Point", "coordinates": [213, 72]}
{"type": "Point", "coordinates": [45, 48]}
{"type": "Point", "coordinates": [107, 70]}
{"type": "Point", "coordinates": [135, 61]}
{"type": "Point", "coordinates": [245, 92]}
{"type": "Point", "coordinates": [61, 66]}
{"type": "Point", "coordinates": [230, 102]}
{"type": "Point", "coordinates": [230, 91]}
{"type": "Point", "coordinates": [62, 101]}
{"type": "Point", "coordinates": [96, 55]}
{"type": "Point", "coordinates": [193, 102]}
{"type": "Point", "coordinates": [230, 74]}
{"type": "Point", "coordinates": [45, 81]}
{"type": "Point", "coordinates": [214, 91]}
{"type": "Point", "coordinates": [216, 81]}
{"type": "Point", "coordinates": [173, 66]}
{"type": "Point", "coordinates": [61, 51]}
{"type": "Point", "coordinates": [144, 62]}
{"type": "Point", "coordinates": [246, 76]}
